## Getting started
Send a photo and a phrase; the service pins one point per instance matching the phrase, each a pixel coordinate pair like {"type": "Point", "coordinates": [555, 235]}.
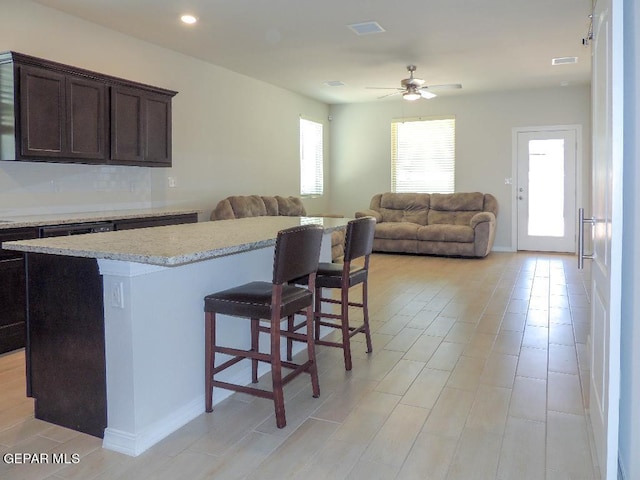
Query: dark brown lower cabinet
{"type": "Point", "coordinates": [13, 311]}
{"type": "Point", "coordinates": [12, 275]}
{"type": "Point", "coordinates": [12, 301]}
{"type": "Point", "coordinates": [130, 223]}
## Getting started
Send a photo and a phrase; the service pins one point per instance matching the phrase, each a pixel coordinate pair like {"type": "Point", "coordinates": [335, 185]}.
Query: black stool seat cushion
{"type": "Point", "coordinates": [253, 300]}
{"type": "Point", "coordinates": [330, 276]}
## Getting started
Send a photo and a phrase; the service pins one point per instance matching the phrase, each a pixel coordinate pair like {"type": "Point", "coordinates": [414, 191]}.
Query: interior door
{"type": "Point", "coordinates": [546, 189]}
{"type": "Point", "coordinates": [606, 207]}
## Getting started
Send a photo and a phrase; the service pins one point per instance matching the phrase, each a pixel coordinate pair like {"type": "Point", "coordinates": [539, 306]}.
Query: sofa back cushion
{"type": "Point", "coordinates": [247, 206]}
{"type": "Point", "coordinates": [241, 206]}
{"type": "Point", "coordinates": [289, 206]}
{"type": "Point", "coordinates": [404, 207]}
{"type": "Point", "coordinates": [455, 208]}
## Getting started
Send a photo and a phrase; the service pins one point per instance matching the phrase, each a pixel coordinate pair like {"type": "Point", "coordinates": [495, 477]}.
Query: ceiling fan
{"type": "Point", "coordinates": [414, 88]}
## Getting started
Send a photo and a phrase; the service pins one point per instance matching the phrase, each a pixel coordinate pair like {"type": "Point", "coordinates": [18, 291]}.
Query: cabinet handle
{"type": "Point", "coordinates": [581, 222]}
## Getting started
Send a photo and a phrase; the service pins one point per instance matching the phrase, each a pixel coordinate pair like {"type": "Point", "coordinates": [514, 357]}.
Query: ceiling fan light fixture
{"type": "Point", "coordinates": [411, 95]}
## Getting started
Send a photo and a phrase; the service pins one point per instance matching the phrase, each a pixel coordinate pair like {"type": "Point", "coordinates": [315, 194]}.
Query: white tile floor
{"type": "Point", "coordinates": [479, 371]}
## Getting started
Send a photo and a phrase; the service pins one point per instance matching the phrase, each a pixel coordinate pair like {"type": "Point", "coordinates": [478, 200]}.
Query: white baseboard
{"type": "Point", "coordinates": [134, 445]}
{"type": "Point", "coordinates": [502, 249]}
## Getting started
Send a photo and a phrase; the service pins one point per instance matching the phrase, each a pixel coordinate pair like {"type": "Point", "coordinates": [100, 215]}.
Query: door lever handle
{"type": "Point", "coordinates": [581, 221]}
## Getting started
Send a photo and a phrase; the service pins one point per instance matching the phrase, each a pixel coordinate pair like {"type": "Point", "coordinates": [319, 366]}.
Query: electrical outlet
{"type": "Point", "coordinates": [172, 182]}
{"type": "Point", "coordinates": [117, 295]}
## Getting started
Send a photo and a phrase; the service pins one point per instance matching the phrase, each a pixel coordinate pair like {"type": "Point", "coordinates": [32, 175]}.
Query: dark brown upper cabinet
{"type": "Point", "coordinates": [57, 113]}
{"type": "Point", "coordinates": [141, 127]}
{"type": "Point", "coordinates": [61, 116]}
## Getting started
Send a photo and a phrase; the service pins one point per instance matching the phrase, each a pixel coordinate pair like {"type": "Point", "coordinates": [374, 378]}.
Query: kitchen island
{"type": "Point", "coordinates": [115, 342]}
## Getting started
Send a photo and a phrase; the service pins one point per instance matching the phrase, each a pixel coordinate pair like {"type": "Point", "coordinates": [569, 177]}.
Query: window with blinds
{"type": "Point", "coordinates": [423, 155]}
{"type": "Point", "coordinates": [311, 158]}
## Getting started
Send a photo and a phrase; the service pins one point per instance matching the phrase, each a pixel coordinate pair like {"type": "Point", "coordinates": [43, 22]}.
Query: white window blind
{"type": "Point", "coordinates": [311, 158]}
{"type": "Point", "coordinates": [423, 155]}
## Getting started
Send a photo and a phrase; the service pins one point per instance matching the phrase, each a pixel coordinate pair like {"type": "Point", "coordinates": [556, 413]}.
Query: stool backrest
{"type": "Point", "coordinates": [359, 238]}
{"type": "Point", "coordinates": [297, 253]}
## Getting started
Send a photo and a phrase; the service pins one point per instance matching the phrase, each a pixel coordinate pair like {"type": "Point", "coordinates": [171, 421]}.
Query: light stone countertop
{"type": "Point", "coordinates": [174, 244]}
{"type": "Point", "coordinates": [80, 217]}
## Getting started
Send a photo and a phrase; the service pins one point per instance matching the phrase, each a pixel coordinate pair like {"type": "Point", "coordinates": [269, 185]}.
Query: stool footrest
{"type": "Point", "coordinates": [243, 389]}
{"type": "Point", "coordinates": [337, 302]}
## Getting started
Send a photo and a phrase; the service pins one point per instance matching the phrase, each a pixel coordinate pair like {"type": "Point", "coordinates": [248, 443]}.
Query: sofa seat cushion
{"type": "Point", "coordinates": [397, 230]}
{"type": "Point", "coordinates": [446, 233]}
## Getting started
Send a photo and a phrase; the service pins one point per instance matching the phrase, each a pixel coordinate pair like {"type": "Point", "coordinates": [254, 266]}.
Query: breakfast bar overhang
{"type": "Point", "coordinates": [115, 321]}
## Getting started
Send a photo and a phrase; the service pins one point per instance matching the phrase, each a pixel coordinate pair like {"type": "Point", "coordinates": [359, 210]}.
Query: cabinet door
{"type": "Point", "coordinates": [127, 139]}
{"type": "Point", "coordinates": [13, 301]}
{"type": "Point", "coordinates": [13, 291]}
{"type": "Point", "coordinates": [61, 116]}
{"type": "Point", "coordinates": [140, 127]}
{"type": "Point", "coordinates": [42, 113]}
{"type": "Point", "coordinates": [157, 125]}
{"type": "Point", "coordinates": [86, 124]}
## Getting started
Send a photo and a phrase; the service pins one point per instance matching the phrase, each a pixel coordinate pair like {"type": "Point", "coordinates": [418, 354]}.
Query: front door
{"type": "Point", "coordinates": [546, 189]}
{"type": "Point", "coordinates": [606, 208]}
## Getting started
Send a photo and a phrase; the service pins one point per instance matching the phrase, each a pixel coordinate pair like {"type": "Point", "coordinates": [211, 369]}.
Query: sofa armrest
{"type": "Point", "coordinates": [370, 213]}
{"type": "Point", "coordinates": [484, 226]}
{"type": "Point", "coordinates": [482, 217]}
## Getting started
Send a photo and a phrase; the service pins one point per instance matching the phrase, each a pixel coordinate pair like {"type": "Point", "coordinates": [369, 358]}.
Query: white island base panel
{"type": "Point", "coordinates": [154, 341]}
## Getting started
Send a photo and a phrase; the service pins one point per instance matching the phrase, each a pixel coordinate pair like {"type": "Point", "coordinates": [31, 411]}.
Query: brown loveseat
{"type": "Point", "coordinates": [455, 224]}
{"type": "Point", "coordinates": [259, 206]}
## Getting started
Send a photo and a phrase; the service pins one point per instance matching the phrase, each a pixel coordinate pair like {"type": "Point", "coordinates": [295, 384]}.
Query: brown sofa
{"type": "Point", "coordinates": [242, 206]}
{"type": "Point", "coordinates": [455, 224]}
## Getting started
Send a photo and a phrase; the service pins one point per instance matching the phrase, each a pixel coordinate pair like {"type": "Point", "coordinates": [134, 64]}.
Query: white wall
{"type": "Point", "coordinates": [361, 142]}
{"type": "Point", "coordinates": [224, 142]}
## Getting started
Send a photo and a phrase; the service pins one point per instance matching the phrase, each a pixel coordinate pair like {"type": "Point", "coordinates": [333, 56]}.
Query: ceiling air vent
{"type": "Point", "coordinates": [334, 83]}
{"type": "Point", "coordinates": [366, 28]}
{"type": "Point", "coordinates": [564, 60]}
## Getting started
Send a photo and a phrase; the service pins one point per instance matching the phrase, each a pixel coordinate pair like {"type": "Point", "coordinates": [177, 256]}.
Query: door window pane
{"type": "Point", "coordinates": [546, 188]}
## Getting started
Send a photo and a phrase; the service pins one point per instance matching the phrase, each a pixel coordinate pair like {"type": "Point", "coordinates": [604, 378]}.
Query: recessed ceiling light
{"type": "Point", "coordinates": [188, 19]}
{"type": "Point", "coordinates": [564, 60]}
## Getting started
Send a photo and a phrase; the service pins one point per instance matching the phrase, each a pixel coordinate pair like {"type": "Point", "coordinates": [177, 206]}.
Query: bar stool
{"type": "Point", "coordinates": [358, 244]}
{"type": "Point", "coordinates": [296, 255]}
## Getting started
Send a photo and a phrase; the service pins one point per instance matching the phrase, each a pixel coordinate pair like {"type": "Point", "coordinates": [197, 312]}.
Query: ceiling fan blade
{"type": "Point", "coordinates": [391, 94]}
{"type": "Point", "coordinates": [446, 86]}
{"type": "Point", "coordinates": [385, 88]}
{"type": "Point", "coordinates": [426, 94]}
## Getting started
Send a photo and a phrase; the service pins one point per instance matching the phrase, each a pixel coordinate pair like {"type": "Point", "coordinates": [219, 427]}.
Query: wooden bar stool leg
{"type": "Point", "coordinates": [365, 314]}
{"type": "Point", "coordinates": [255, 339]}
{"type": "Point", "coordinates": [346, 339]}
{"type": "Point", "coordinates": [209, 354]}
{"type": "Point", "coordinates": [317, 312]}
{"type": "Point", "coordinates": [276, 374]}
{"type": "Point", "coordinates": [311, 352]}
{"type": "Point", "coordinates": [290, 325]}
